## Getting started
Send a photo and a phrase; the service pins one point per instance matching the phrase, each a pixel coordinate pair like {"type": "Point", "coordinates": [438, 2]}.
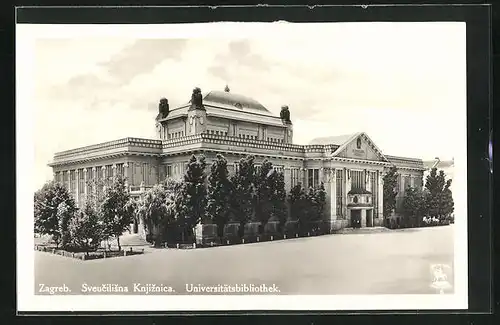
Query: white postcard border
{"type": "Point", "coordinates": [27, 301]}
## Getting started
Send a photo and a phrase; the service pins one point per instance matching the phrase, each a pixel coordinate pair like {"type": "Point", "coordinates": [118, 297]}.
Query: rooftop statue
{"type": "Point", "coordinates": [285, 114]}
{"type": "Point", "coordinates": [196, 99]}
{"type": "Point", "coordinates": [163, 108]}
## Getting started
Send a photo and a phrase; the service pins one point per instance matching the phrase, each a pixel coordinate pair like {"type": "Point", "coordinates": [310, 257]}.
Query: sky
{"type": "Point", "coordinates": [401, 83]}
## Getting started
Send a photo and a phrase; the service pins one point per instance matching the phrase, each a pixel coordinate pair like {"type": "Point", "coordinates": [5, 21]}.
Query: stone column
{"type": "Point", "coordinates": [380, 196]}
{"type": "Point", "coordinates": [155, 174]}
{"type": "Point", "coordinates": [126, 171]}
{"type": "Point", "coordinates": [77, 187]}
{"type": "Point", "coordinates": [368, 181]}
{"type": "Point", "coordinates": [85, 186]}
{"type": "Point", "coordinates": [94, 180]}
{"type": "Point", "coordinates": [104, 176]}
{"type": "Point", "coordinates": [68, 183]}
{"type": "Point", "coordinates": [349, 181]}
{"type": "Point", "coordinates": [113, 168]}
{"type": "Point", "coordinates": [287, 173]}
{"type": "Point", "coordinates": [302, 177]}
{"type": "Point", "coordinates": [348, 184]}
{"type": "Point", "coordinates": [321, 175]}
{"type": "Point", "coordinates": [333, 194]}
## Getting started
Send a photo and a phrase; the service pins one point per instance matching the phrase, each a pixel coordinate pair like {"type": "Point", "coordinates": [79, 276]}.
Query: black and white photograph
{"type": "Point", "coordinates": [242, 166]}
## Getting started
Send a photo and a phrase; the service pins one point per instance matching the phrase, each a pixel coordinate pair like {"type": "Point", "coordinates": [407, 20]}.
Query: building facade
{"type": "Point", "coordinates": [351, 167]}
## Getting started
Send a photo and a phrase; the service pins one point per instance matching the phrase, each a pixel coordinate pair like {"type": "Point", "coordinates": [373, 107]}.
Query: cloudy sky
{"type": "Point", "coordinates": [401, 83]}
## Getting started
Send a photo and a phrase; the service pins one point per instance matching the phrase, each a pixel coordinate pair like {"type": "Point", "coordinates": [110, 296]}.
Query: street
{"type": "Point", "coordinates": [395, 262]}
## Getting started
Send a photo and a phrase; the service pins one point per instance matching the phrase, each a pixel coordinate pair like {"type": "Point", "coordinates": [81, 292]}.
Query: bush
{"type": "Point", "coordinates": [291, 228]}
{"type": "Point", "coordinates": [272, 228]}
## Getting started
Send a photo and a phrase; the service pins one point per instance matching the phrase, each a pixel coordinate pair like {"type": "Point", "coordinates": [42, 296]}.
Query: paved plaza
{"type": "Point", "coordinates": [394, 262]}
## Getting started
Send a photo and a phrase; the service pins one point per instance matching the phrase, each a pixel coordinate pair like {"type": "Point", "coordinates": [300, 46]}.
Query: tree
{"type": "Point", "coordinates": [389, 188]}
{"type": "Point", "coordinates": [297, 202]}
{"type": "Point", "coordinates": [53, 209]}
{"type": "Point", "coordinates": [264, 188]}
{"type": "Point", "coordinates": [191, 204]}
{"type": "Point", "coordinates": [439, 199]}
{"type": "Point", "coordinates": [278, 199]}
{"type": "Point", "coordinates": [447, 204]}
{"type": "Point", "coordinates": [301, 206]}
{"type": "Point", "coordinates": [320, 201]}
{"type": "Point", "coordinates": [218, 194]}
{"type": "Point", "coordinates": [114, 211]}
{"type": "Point", "coordinates": [413, 205]}
{"type": "Point", "coordinates": [85, 228]}
{"type": "Point", "coordinates": [156, 209]}
{"type": "Point", "coordinates": [243, 192]}
{"type": "Point", "coordinates": [312, 214]}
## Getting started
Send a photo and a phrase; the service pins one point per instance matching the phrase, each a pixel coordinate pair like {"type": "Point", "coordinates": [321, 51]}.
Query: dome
{"type": "Point", "coordinates": [238, 101]}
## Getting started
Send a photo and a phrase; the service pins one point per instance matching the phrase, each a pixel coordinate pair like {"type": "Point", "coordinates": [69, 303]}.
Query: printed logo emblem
{"type": "Point", "coordinates": [441, 277]}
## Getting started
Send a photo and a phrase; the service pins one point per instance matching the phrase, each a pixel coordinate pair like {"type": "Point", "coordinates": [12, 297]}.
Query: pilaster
{"type": "Point", "coordinates": [77, 187]}
{"type": "Point", "coordinates": [104, 178]}
{"type": "Point", "coordinates": [380, 196]}
{"type": "Point", "coordinates": [126, 173]}
{"type": "Point", "coordinates": [68, 182]}
{"type": "Point", "coordinates": [113, 168]}
{"type": "Point", "coordinates": [94, 180]}
{"type": "Point", "coordinates": [368, 180]}
{"type": "Point", "coordinates": [287, 173]}
{"type": "Point", "coordinates": [333, 194]}
{"type": "Point", "coordinates": [85, 180]}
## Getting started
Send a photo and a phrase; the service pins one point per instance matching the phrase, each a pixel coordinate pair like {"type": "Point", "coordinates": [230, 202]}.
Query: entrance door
{"type": "Point", "coordinates": [369, 218]}
{"type": "Point", "coordinates": [356, 218]}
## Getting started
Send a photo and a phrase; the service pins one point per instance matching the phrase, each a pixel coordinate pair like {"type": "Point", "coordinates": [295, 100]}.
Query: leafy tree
{"type": "Point", "coordinates": [53, 208]}
{"type": "Point", "coordinates": [319, 202]}
{"type": "Point", "coordinates": [301, 207]}
{"type": "Point", "coordinates": [191, 204]}
{"type": "Point", "coordinates": [414, 205]}
{"type": "Point", "coordinates": [264, 188]}
{"type": "Point", "coordinates": [85, 229]}
{"type": "Point", "coordinates": [156, 209]}
{"type": "Point", "coordinates": [218, 194]}
{"type": "Point", "coordinates": [115, 212]}
{"type": "Point", "coordinates": [278, 199]}
{"type": "Point", "coordinates": [312, 213]}
{"type": "Point", "coordinates": [297, 202]}
{"type": "Point", "coordinates": [243, 192]}
{"type": "Point", "coordinates": [447, 204]}
{"type": "Point", "coordinates": [389, 188]}
{"type": "Point", "coordinates": [438, 197]}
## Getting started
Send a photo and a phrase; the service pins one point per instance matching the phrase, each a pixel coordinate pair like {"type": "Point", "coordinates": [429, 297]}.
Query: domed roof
{"type": "Point", "coordinates": [234, 100]}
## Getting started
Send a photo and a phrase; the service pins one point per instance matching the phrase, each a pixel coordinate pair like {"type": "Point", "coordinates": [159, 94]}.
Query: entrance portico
{"type": "Point", "coordinates": [360, 209]}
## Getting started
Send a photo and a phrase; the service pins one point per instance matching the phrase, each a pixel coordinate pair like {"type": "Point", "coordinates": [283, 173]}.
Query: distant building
{"type": "Point", "coordinates": [350, 166]}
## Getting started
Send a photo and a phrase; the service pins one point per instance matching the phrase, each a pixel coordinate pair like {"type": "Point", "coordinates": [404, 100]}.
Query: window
{"type": "Point", "coordinates": [340, 193]}
{"type": "Point", "coordinates": [257, 169]}
{"type": "Point", "coordinates": [295, 176]}
{"type": "Point", "coordinates": [144, 173]}
{"type": "Point", "coordinates": [374, 190]}
{"type": "Point", "coordinates": [357, 180]}
{"type": "Point", "coordinates": [120, 169]}
{"type": "Point", "coordinates": [225, 133]}
{"type": "Point", "coordinates": [313, 178]}
{"type": "Point", "coordinates": [72, 181]}
{"type": "Point", "coordinates": [168, 171]}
